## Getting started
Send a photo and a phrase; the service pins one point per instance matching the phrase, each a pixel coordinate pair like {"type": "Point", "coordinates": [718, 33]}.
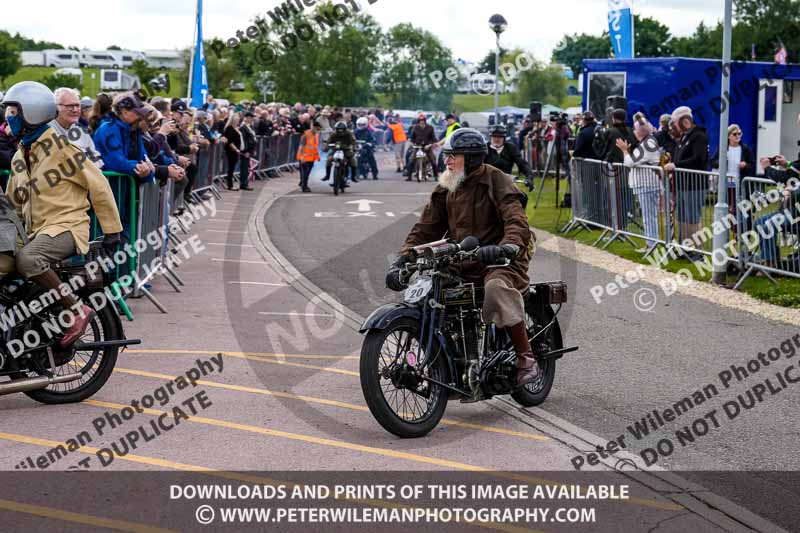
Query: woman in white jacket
{"type": "Point", "coordinates": [644, 182]}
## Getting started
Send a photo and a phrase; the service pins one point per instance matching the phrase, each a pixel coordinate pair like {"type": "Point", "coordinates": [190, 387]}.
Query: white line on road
{"type": "Point", "coordinates": [229, 244]}
{"type": "Point", "coordinates": [241, 261]}
{"type": "Point", "coordinates": [226, 231]}
{"type": "Point", "coordinates": [389, 214]}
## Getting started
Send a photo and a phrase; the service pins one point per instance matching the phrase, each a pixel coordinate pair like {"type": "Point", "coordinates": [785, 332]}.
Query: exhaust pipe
{"type": "Point", "coordinates": [40, 382]}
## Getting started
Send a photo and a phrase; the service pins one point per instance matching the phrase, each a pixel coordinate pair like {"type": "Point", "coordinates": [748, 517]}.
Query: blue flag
{"type": "Point", "coordinates": [199, 75]}
{"type": "Point", "coordinates": [620, 28]}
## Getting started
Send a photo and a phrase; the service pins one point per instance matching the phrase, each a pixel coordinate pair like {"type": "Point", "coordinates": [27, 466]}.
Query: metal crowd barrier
{"type": "Point", "coordinates": [593, 205]}
{"type": "Point", "coordinates": [641, 210]}
{"type": "Point", "coordinates": [769, 234]}
{"type": "Point", "coordinates": [692, 210]}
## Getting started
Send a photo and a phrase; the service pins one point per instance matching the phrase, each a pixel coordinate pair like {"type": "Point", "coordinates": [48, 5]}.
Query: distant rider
{"type": "Point", "coordinates": [344, 137]}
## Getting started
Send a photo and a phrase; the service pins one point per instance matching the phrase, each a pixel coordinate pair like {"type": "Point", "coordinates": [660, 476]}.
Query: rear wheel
{"type": "Point", "coordinates": [391, 364]}
{"type": "Point", "coordinates": [536, 392]}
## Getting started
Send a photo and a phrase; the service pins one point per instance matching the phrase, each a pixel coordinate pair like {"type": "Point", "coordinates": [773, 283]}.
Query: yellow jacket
{"type": "Point", "coordinates": [51, 196]}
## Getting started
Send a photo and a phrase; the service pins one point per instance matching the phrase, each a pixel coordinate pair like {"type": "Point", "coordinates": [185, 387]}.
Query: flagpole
{"type": "Point", "coordinates": [194, 51]}
{"type": "Point", "coordinates": [633, 33]}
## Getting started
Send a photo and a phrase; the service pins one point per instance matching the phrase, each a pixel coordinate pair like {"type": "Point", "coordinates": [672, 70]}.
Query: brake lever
{"type": "Point", "coordinates": [504, 264]}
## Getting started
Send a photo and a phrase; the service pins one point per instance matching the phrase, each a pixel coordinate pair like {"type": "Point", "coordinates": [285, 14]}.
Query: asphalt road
{"type": "Point", "coordinates": [630, 362]}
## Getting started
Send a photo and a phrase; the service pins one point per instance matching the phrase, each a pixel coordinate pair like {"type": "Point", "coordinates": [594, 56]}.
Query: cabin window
{"type": "Point", "coordinates": [601, 86]}
{"type": "Point", "coordinates": [770, 104]}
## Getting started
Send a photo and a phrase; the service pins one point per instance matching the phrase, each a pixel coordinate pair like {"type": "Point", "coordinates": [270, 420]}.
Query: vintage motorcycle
{"type": "Point", "coordinates": [422, 166]}
{"type": "Point", "coordinates": [435, 345]}
{"type": "Point", "coordinates": [339, 168]}
{"type": "Point", "coordinates": [30, 354]}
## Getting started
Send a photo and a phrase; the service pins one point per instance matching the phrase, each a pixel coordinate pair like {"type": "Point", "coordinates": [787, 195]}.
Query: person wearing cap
{"type": "Point", "coordinates": [665, 140]}
{"type": "Point", "coordinates": [617, 130]}
{"type": "Point", "coordinates": [250, 146]}
{"type": "Point", "coordinates": [423, 135]}
{"type": "Point", "coordinates": [52, 188]}
{"type": "Point", "coordinates": [476, 199]}
{"type": "Point", "coordinates": [181, 143]}
{"type": "Point", "coordinates": [86, 110]}
{"type": "Point", "coordinates": [504, 155]}
{"type": "Point", "coordinates": [691, 153]}
{"type": "Point", "coordinates": [67, 124]}
{"type": "Point", "coordinates": [158, 150]}
{"type": "Point", "coordinates": [585, 137]}
{"type": "Point", "coordinates": [119, 140]}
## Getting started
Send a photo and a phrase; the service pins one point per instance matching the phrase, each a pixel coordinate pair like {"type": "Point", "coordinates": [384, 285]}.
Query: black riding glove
{"type": "Point", "coordinates": [110, 242]}
{"type": "Point", "coordinates": [489, 255]}
{"type": "Point", "coordinates": [394, 276]}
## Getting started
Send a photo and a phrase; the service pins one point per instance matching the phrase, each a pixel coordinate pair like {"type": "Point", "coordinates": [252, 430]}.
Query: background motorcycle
{"type": "Point", "coordinates": [435, 345]}
{"type": "Point", "coordinates": [364, 151]}
{"type": "Point", "coordinates": [421, 164]}
{"type": "Point", "coordinates": [47, 372]}
{"type": "Point", "coordinates": [339, 167]}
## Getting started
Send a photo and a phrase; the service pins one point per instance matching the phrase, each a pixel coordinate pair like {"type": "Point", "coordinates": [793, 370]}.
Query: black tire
{"type": "Point", "coordinates": [373, 388]}
{"type": "Point", "coordinates": [105, 326]}
{"type": "Point", "coordinates": [535, 393]}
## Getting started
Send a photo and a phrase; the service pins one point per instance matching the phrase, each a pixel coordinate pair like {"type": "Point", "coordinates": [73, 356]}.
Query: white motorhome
{"type": "Point", "coordinates": [125, 58]}
{"type": "Point", "coordinates": [60, 58]}
{"type": "Point", "coordinates": [69, 71]}
{"type": "Point", "coordinates": [102, 59]}
{"type": "Point", "coordinates": [32, 59]}
{"type": "Point", "coordinates": [172, 59]}
{"type": "Point", "coordinates": [117, 80]}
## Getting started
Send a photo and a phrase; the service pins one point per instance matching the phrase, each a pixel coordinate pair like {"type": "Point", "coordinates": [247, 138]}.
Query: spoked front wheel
{"type": "Point", "coordinates": [392, 366]}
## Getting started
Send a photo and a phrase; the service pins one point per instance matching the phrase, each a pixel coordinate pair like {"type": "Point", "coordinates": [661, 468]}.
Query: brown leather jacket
{"type": "Point", "coordinates": [486, 206]}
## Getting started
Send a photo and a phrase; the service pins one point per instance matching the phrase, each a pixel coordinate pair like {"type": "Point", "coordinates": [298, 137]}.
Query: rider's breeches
{"type": "Point", "coordinates": [502, 303]}
{"type": "Point", "coordinates": [36, 257]}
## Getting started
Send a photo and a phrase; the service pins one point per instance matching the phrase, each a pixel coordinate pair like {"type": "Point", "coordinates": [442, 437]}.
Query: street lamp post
{"type": "Point", "coordinates": [498, 25]}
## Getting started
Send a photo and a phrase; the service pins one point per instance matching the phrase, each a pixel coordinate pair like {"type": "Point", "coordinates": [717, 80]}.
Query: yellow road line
{"type": "Point", "coordinates": [385, 452]}
{"type": "Point", "coordinates": [78, 518]}
{"type": "Point", "coordinates": [235, 476]}
{"type": "Point", "coordinates": [245, 354]}
{"type": "Point", "coordinates": [265, 358]}
{"type": "Point", "coordinates": [322, 401]}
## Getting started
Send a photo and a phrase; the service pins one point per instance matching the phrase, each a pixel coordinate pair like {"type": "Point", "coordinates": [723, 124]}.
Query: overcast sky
{"type": "Point", "coordinates": [462, 25]}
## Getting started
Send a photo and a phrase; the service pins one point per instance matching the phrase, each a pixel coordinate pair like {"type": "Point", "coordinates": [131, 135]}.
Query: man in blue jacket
{"type": "Point", "coordinates": [119, 139]}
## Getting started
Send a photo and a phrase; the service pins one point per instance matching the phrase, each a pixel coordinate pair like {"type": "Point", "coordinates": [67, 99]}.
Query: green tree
{"type": "Point", "coordinates": [573, 49]}
{"type": "Point", "coordinates": [767, 22]}
{"type": "Point", "coordinates": [9, 56]}
{"type": "Point", "coordinates": [334, 66]}
{"type": "Point", "coordinates": [541, 82]}
{"type": "Point", "coordinates": [487, 64]}
{"type": "Point", "coordinates": [143, 69]}
{"type": "Point", "coordinates": [54, 81]}
{"type": "Point", "coordinates": [113, 47]}
{"type": "Point", "coordinates": [410, 55]}
{"type": "Point", "coordinates": [651, 38]}
{"type": "Point", "coordinates": [25, 44]}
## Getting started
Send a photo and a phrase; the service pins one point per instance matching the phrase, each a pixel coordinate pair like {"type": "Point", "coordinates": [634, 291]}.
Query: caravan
{"type": "Point", "coordinates": [60, 58]}
{"type": "Point", "coordinates": [98, 59]}
{"type": "Point", "coordinates": [125, 58]}
{"type": "Point", "coordinates": [117, 80]}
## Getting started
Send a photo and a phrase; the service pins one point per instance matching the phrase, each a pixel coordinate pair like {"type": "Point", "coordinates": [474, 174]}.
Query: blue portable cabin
{"type": "Point", "coordinates": [764, 98]}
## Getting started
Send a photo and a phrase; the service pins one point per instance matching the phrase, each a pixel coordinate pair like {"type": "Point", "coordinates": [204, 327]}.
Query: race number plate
{"type": "Point", "coordinates": [419, 290]}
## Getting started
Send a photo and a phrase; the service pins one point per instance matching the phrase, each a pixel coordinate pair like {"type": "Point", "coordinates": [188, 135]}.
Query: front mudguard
{"type": "Point", "coordinates": [386, 314]}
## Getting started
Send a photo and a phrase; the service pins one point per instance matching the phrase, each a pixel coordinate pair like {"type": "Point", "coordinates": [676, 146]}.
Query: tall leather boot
{"type": "Point", "coordinates": [527, 367]}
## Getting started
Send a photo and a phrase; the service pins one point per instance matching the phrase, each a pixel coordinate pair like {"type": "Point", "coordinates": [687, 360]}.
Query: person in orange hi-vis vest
{"type": "Point", "coordinates": [308, 154]}
{"type": "Point", "coordinates": [399, 138]}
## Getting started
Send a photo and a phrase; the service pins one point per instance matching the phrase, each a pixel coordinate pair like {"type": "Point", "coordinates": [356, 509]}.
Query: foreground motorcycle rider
{"type": "Point", "coordinates": [473, 198]}
{"type": "Point", "coordinates": [341, 135]}
{"type": "Point", "coordinates": [50, 186]}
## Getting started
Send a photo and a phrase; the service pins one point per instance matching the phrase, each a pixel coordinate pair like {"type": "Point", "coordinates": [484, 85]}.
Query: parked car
{"type": "Point", "coordinates": [236, 86]}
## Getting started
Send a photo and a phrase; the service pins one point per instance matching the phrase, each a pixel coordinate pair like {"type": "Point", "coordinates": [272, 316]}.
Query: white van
{"type": "Point", "coordinates": [98, 59]}
{"type": "Point", "coordinates": [69, 71]}
{"type": "Point", "coordinates": [61, 58]}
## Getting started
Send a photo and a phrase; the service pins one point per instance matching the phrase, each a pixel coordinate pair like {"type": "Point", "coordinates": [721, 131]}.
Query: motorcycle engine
{"type": "Point", "coordinates": [500, 378]}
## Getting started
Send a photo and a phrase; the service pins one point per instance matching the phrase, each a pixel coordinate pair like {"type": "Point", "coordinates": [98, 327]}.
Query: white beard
{"type": "Point", "coordinates": [451, 180]}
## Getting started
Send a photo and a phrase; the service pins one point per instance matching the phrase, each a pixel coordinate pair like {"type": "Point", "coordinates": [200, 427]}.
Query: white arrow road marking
{"type": "Point", "coordinates": [363, 204]}
{"type": "Point", "coordinates": [326, 214]}
{"type": "Point", "coordinates": [389, 214]}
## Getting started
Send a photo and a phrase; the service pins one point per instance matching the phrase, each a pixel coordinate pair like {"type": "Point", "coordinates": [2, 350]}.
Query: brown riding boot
{"type": "Point", "coordinates": [527, 367]}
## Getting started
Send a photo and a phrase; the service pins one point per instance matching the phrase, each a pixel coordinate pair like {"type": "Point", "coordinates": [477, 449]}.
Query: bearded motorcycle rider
{"type": "Point", "coordinates": [473, 198]}
{"type": "Point", "coordinates": [341, 135]}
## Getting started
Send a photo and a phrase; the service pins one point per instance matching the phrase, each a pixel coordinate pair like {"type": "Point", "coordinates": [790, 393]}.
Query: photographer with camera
{"type": "Point", "coordinates": [504, 155]}
{"type": "Point", "coordinates": [771, 225]}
